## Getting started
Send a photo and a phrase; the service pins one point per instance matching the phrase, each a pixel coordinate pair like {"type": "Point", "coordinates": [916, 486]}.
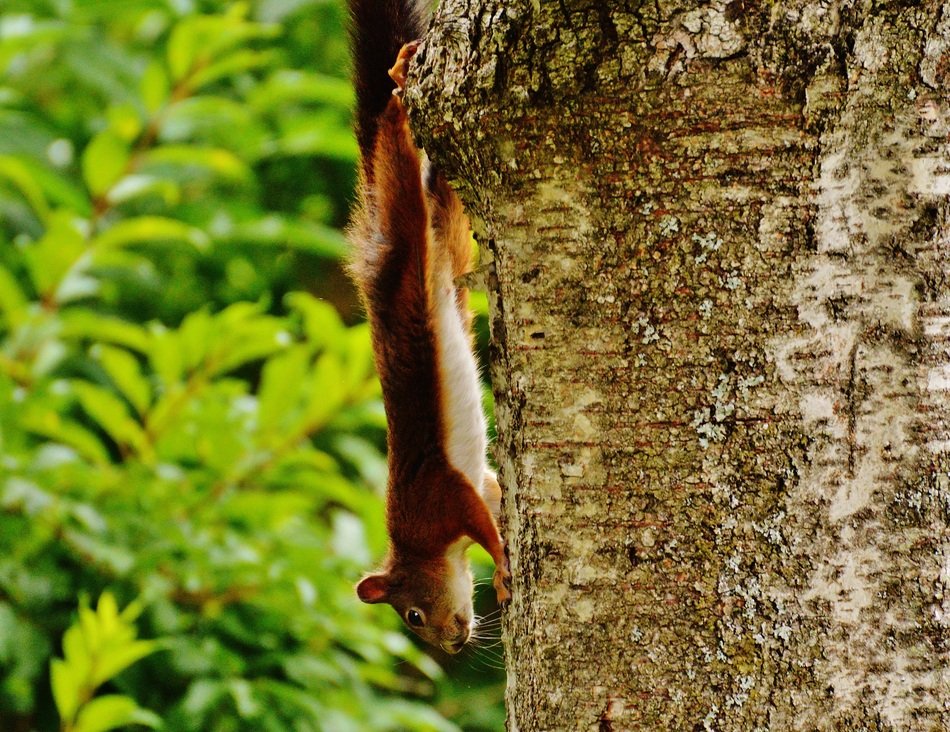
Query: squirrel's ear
{"type": "Point", "coordinates": [373, 588]}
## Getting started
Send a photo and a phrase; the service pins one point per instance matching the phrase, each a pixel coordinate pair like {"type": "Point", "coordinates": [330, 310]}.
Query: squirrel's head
{"type": "Point", "coordinates": [433, 597]}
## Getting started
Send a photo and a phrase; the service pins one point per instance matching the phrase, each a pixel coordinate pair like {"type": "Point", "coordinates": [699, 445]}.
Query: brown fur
{"type": "Point", "coordinates": [407, 236]}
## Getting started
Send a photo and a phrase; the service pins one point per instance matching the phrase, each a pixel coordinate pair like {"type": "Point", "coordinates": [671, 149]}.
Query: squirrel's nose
{"type": "Point", "coordinates": [456, 645]}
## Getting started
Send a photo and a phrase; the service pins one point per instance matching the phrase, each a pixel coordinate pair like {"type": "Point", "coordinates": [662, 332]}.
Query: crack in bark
{"type": "Point", "coordinates": [851, 400]}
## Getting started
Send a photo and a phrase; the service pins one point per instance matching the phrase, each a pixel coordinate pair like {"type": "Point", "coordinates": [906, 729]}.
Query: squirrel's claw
{"type": "Point", "coordinates": [401, 68]}
{"type": "Point", "coordinates": [500, 581]}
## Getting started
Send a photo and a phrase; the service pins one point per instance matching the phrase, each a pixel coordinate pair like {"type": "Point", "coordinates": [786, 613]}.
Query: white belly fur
{"type": "Point", "coordinates": [461, 390]}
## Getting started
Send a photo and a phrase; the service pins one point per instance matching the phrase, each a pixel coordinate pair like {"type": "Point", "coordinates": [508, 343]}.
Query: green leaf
{"type": "Point", "coordinates": [146, 718]}
{"type": "Point", "coordinates": [107, 612]}
{"type": "Point", "coordinates": [324, 394]}
{"type": "Point", "coordinates": [76, 651]}
{"type": "Point", "coordinates": [104, 161]}
{"type": "Point", "coordinates": [279, 394]}
{"type": "Point", "coordinates": [242, 60]}
{"type": "Point", "coordinates": [273, 509]}
{"type": "Point", "coordinates": [112, 661]}
{"type": "Point", "coordinates": [195, 339]}
{"type": "Point", "coordinates": [242, 336]}
{"type": "Point", "coordinates": [50, 424]}
{"type": "Point", "coordinates": [293, 85]}
{"type": "Point", "coordinates": [280, 231]}
{"type": "Point", "coordinates": [364, 456]}
{"type": "Point", "coordinates": [243, 695]}
{"type": "Point", "coordinates": [322, 134]}
{"type": "Point", "coordinates": [215, 120]}
{"type": "Point", "coordinates": [112, 711]}
{"type": "Point", "coordinates": [149, 229]}
{"type": "Point", "coordinates": [321, 321]}
{"type": "Point", "coordinates": [125, 121]}
{"type": "Point", "coordinates": [17, 173]}
{"type": "Point", "coordinates": [182, 49]}
{"type": "Point", "coordinates": [50, 258]}
{"type": "Point", "coordinates": [215, 160]}
{"type": "Point", "coordinates": [58, 188]}
{"type": "Point", "coordinates": [66, 688]}
{"type": "Point", "coordinates": [132, 611]}
{"type": "Point", "coordinates": [402, 714]}
{"type": "Point", "coordinates": [358, 358]}
{"type": "Point", "coordinates": [155, 86]}
{"type": "Point", "coordinates": [131, 187]}
{"type": "Point", "coordinates": [197, 40]}
{"type": "Point", "coordinates": [202, 695]}
{"type": "Point", "coordinates": [126, 373]}
{"type": "Point", "coordinates": [81, 324]}
{"type": "Point", "coordinates": [165, 356]}
{"type": "Point", "coordinates": [12, 299]}
{"type": "Point", "coordinates": [113, 559]}
{"type": "Point", "coordinates": [76, 286]}
{"type": "Point", "coordinates": [112, 415]}
{"type": "Point", "coordinates": [88, 634]}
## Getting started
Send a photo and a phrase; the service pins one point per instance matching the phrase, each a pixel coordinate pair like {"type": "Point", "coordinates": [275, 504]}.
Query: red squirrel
{"type": "Point", "coordinates": [411, 243]}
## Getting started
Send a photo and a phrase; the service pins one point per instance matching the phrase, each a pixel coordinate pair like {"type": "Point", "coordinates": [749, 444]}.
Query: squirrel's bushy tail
{"type": "Point", "coordinates": [378, 29]}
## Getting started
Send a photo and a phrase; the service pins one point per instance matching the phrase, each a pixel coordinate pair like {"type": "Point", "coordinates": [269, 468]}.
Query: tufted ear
{"type": "Point", "coordinates": [373, 588]}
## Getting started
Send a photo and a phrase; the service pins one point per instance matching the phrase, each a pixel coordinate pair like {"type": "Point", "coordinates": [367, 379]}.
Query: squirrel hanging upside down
{"type": "Point", "coordinates": [411, 243]}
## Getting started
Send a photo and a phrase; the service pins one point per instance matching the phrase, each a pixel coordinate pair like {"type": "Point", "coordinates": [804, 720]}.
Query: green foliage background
{"type": "Point", "coordinates": [189, 419]}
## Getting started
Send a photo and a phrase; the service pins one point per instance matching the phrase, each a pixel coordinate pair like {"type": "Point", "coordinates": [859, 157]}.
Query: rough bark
{"type": "Point", "coordinates": [721, 323]}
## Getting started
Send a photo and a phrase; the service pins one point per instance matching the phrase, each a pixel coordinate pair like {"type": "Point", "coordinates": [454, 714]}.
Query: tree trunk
{"type": "Point", "coordinates": [721, 325]}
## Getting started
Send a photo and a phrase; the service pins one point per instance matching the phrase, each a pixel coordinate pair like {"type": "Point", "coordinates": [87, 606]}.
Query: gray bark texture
{"type": "Point", "coordinates": [721, 323]}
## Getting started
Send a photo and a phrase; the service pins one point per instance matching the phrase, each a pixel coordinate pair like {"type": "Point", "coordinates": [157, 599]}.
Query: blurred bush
{"type": "Point", "coordinates": [186, 422]}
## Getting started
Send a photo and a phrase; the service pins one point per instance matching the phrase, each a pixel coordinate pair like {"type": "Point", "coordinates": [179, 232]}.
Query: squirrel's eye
{"type": "Point", "coordinates": [414, 617]}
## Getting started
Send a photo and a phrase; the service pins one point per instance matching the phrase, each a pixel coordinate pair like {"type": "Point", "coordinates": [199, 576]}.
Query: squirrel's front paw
{"type": "Point", "coordinates": [500, 581]}
{"type": "Point", "coordinates": [399, 70]}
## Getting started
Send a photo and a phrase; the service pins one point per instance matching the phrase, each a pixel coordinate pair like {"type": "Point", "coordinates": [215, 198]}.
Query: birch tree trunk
{"type": "Point", "coordinates": [721, 325]}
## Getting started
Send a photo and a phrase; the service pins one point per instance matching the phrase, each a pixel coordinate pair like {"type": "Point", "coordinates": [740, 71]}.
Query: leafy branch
{"type": "Point", "coordinates": [99, 646]}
